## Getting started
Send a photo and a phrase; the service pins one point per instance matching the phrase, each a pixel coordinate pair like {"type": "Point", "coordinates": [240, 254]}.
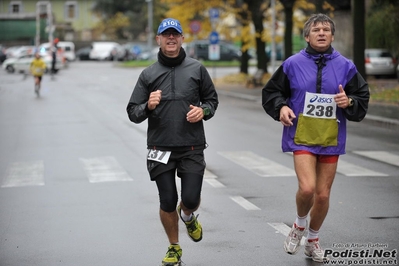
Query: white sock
{"type": "Point", "coordinates": [186, 217]}
{"type": "Point", "coordinates": [301, 221]}
{"type": "Point", "coordinates": [312, 234]}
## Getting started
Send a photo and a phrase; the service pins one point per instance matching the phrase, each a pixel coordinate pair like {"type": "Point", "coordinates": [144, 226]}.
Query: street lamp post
{"type": "Point", "coordinates": [150, 19]}
{"type": "Point", "coordinates": [37, 39]}
{"type": "Point", "coordinates": [273, 48]}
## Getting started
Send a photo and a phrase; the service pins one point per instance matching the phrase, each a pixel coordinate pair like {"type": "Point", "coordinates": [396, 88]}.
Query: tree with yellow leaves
{"type": "Point", "coordinates": [111, 28]}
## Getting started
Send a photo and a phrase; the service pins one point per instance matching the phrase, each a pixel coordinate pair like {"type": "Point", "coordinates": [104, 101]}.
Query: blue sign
{"type": "Point", "coordinates": [214, 37]}
{"type": "Point", "coordinates": [214, 13]}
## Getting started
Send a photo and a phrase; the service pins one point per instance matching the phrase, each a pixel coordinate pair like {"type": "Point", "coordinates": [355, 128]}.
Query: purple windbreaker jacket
{"type": "Point", "coordinates": [305, 72]}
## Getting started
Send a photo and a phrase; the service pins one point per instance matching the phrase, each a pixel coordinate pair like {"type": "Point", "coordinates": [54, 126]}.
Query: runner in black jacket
{"type": "Point", "coordinates": [175, 94]}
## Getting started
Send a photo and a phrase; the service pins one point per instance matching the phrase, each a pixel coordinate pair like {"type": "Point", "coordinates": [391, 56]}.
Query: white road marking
{"type": "Point", "coordinates": [210, 178]}
{"type": "Point", "coordinates": [104, 169]}
{"type": "Point", "coordinates": [214, 183]}
{"type": "Point", "coordinates": [349, 169]}
{"type": "Point", "coordinates": [257, 164]}
{"type": "Point", "coordinates": [381, 156]}
{"type": "Point", "coordinates": [22, 174]}
{"type": "Point", "coordinates": [284, 230]}
{"type": "Point", "coordinates": [208, 174]}
{"type": "Point", "coordinates": [245, 203]}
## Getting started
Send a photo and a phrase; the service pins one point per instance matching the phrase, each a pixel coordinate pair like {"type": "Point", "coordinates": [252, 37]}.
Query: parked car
{"type": "Point", "coordinates": [134, 50]}
{"type": "Point", "coordinates": [22, 63]}
{"type": "Point", "coordinates": [200, 50]}
{"type": "Point", "coordinates": [83, 53]}
{"type": "Point", "coordinates": [149, 54]}
{"type": "Point", "coordinates": [107, 51]}
{"type": "Point", "coordinates": [397, 72]}
{"type": "Point", "coordinates": [379, 62]}
{"type": "Point", "coordinates": [67, 50]}
{"type": "Point", "coordinates": [18, 51]}
{"type": "Point", "coordinates": [3, 55]}
{"type": "Point", "coordinates": [279, 51]}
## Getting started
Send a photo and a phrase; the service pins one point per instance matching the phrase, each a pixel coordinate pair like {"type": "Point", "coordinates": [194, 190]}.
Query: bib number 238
{"type": "Point", "coordinates": [158, 156]}
{"type": "Point", "coordinates": [320, 105]}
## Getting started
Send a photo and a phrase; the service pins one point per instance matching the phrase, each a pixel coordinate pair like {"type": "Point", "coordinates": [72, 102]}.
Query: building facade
{"type": "Point", "coordinates": [71, 20]}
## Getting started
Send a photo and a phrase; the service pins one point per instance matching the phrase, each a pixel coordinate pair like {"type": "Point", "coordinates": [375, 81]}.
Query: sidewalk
{"type": "Point", "coordinates": [383, 115]}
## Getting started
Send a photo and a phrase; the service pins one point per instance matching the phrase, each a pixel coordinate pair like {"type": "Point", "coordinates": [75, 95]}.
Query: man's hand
{"type": "Point", "coordinates": [286, 116]}
{"type": "Point", "coordinates": [341, 99]}
{"type": "Point", "coordinates": [154, 100]}
{"type": "Point", "coordinates": [195, 114]}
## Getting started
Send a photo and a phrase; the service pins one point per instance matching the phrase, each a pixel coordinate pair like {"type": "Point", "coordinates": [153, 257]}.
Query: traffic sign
{"type": "Point", "coordinates": [214, 37]}
{"type": "Point", "coordinates": [214, 52]}
{"type": "Point", "coordinates": [214, 14]}
{"type": "Point", "coordinates": [195, 26]}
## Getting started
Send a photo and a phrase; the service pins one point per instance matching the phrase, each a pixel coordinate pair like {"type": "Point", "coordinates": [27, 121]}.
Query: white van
{"type": "Point", "coordinates": [67, 49]}
{"type": "Point", "coordinates": [107, 51]}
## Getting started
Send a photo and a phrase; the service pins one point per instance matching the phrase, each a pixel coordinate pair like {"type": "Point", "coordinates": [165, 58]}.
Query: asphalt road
{"type": "Point", "coordinates": [75, 190]}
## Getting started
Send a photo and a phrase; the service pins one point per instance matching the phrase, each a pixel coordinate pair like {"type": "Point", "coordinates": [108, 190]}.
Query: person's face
{"type": "Point", "coordinates": [320, 36]}
{"type": "Point", "coordinates": [170, 42]}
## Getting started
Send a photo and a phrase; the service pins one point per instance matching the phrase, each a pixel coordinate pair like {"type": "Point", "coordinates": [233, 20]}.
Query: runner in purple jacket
{"type": "Point", "coordinates": [312, 94]}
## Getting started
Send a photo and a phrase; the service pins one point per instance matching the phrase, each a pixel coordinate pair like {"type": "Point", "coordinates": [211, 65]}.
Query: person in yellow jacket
{"type": "Point", "coordinates": [37, 68]}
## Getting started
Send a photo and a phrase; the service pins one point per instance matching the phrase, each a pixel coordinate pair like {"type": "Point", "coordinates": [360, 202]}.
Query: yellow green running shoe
{"type": "Point", "coordinates": [194, 228]}
{"type": "Point", "coordinates": [173, 256]}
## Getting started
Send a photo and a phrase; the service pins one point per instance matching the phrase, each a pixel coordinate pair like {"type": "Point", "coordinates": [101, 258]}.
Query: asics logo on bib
{"type": "Point", "coordinates": [321, 99]}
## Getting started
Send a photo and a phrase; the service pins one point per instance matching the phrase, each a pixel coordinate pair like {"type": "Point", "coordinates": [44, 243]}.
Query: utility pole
{"type": "Point", "coordinates": [273, 48]}
{"type": "Point", "coordinates": [50, 24]}
{"type": "Point", "coordinates": [150, 20]}
{"type": "Point", "coordinates": [37, 39]}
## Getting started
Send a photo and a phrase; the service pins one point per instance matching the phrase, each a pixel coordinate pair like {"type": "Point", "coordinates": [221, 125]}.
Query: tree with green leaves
{"type": "Point", "coordinates": [382, 26]}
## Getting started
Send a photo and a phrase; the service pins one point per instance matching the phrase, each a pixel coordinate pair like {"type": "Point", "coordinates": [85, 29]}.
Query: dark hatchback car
{"type": "Point", "coordinates": [200, 50]}
{"type": "Point", "coordinates": [83, 53]}
{"type": "Point", "coordinates": [3, 55]}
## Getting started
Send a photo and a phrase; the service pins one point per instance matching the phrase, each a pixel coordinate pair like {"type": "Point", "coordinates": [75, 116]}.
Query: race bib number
{"type": "Point", "coordinates": [320, 105]}
{"type": "Point", "coordinates": [158, 156]}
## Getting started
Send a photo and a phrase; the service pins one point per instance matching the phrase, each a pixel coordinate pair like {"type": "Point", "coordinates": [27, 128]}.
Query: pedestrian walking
{"type": "Point", "coordinates": [37, 69]}
{"type": "Point", "coordinates": [175, 94]}
{"type": "Point", "coordinates": [312, 94]}
{"type": "Point", "coordinates": [54, 50]}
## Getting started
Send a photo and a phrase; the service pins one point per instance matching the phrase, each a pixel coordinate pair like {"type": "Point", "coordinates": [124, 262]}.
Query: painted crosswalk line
{"type": "Point", "coordinates": [381, 156]}
{"type": "Point", "coordinates": [21, 174]}
{"type": "Point", "coordinates": [258, 164]}
{"type": "Point", "coordinates": [211, 179]}
{"type": "Point", "coordinates": [104, 169]}
{"type": "Point", "coordinates": [349, 169]}
{"type": "Point", "coordinates": [245, 203]}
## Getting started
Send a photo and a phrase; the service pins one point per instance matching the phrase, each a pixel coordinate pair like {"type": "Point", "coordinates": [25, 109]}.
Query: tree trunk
{"type": "Point", "coordinates": [358, 11]}
{"type": "Point", "coordinates": [288, 10]}
{"type": "Point", "coordinates": [257, 19]}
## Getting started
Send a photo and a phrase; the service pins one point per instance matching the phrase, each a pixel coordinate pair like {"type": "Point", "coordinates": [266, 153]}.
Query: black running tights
{"type": "Point", "coordinates": [191, 185]}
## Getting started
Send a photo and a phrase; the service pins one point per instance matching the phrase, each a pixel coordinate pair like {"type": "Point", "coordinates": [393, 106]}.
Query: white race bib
{"type": "Point", "coordinates": [158, 156]}
{"type": "Point", "coordinates": [320, 105]}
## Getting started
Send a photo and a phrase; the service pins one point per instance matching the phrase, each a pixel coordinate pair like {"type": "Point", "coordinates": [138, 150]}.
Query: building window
{"type": "Point", "coordinates": [71, 10]}
{"type": "Point", "coordinates": [15, 7]}
{"type": "Point", "coordinates": [42, 5]}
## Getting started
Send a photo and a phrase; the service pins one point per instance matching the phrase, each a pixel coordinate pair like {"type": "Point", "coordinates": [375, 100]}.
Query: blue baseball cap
{"type": "Point", "coordinates": [168, 23]}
